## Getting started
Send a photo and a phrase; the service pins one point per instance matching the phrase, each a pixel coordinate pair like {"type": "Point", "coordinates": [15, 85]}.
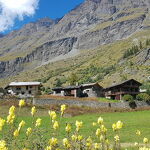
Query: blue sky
{"type": "Point", "coordinates": [48, 8]}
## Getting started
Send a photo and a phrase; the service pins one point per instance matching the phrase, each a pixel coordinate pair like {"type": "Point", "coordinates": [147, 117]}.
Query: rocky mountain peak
{"type": "Point", "coordinates": [47, 22]}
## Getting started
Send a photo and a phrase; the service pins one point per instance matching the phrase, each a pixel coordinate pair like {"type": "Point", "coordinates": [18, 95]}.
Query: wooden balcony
{"type": "Point", "coordinates": [120, 93]}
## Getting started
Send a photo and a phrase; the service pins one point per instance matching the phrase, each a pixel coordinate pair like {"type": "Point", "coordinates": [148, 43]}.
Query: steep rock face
{"type": "Point", "coordinates": [91, 24]}
{"type": "Point", "coordinates": [24, 39]}
{"type": "Point", "coordinates": [41, 55]}
{"type": "Point", "coordinates": [111, 33]}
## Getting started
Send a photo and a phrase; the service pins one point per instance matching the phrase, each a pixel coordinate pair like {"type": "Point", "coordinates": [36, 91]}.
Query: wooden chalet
{"type": "Point", "coordinates": [117, 91]}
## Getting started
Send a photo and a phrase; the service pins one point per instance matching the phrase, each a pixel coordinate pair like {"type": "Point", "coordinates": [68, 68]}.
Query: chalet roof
{"type": "Point", "coordinates": [66, 88]}
{"type": "Point", "coordinates": [72, 87]}
{"type": "Point", "coordinates": [24, 83]}
{"type": "Point", "coordinates": [75, 87]}
{"type": "Point", "coordinates": [90, 84]}
{"type": "Point", "coordinates": [115, 85]}
{"type": "Point", "coordinates": [57, 88]}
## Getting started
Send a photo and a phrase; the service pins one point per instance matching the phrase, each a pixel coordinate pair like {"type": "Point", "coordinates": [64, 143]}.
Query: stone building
{"type": "Point", "coordinates": [24, 88]}
{"type": "Point", "coordinates": [93, 90]}
{"type": "Point", "coordinates": [84, 90]}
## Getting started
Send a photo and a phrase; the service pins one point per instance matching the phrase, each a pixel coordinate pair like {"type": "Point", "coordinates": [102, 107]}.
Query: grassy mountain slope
{"type": "Point", "coordinates": [104, 64]}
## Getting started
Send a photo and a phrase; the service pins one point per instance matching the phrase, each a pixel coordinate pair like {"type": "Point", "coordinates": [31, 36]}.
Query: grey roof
{"type": "Point", "coordinates": [90, 84]}
{"type": "Point", "coordinates": [57, 88]}
{"type": "Point", "coordinates": [24, 83]}
{"type": "Point", "coordinates": [66, 88]}
{"type": "Point", "coordinates": [75, 87]}
{"type": "Point", "coordinates": [123, 83]}
{"type": "Point", "coordinates": [72, 87]}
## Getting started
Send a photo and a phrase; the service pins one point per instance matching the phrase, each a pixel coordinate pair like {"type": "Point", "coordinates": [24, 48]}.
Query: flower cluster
{"type": "Point", "coordinates": [3, 145]}
{"type": "Point", "coordinates": [11, 116]}
{"type": "Point", "coordinates": [2, 123]}
{"type": "Point", "coordinates": [62, 109]}
{"type": "Point", "coordinates": [22, 103]}
{"type": "Point", "coordinates": [33, 137]}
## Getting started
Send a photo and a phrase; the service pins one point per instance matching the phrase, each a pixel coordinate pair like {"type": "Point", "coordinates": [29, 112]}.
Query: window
{"type": "Point", "coordinates": [58, 92]}
{"type": "Point", "coordinates": [18, 88]}
{"type": "Point", "coordinates": [26, 87]}
{"type": "Point", "coordinates": [30, 92]}
{"type": "Point", "coordinates": [22, 93]}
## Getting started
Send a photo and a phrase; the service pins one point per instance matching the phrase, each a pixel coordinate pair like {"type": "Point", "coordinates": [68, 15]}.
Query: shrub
{"type": "Point", "coordinates": [131, 51]}
{"type": "Point", "coordinates": [128, 98]}
{"type": "Point", "coordinates": [147, 42]}
{"type": "Point", "coordinates": [143, 97]}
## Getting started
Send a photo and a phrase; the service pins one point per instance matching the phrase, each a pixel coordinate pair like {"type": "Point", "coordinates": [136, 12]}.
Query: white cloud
{"type": "Point", "coordinates": [15, 9]}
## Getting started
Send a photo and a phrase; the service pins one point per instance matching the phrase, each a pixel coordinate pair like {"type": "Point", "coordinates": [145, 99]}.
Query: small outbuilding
{"type": "Point", "coordinates": [93, 90]}
{"type": "Point", "coordinates": [24, 88]}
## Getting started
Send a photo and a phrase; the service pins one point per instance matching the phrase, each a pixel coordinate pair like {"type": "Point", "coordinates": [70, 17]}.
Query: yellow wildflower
{"type": "Point", "coordinates": [94, 124]}
{"type": "Point", "coordinates": [107, 141]}
{"type": "Point", "coordinates": [68, 128]}
{"type": "Point", "coordinates": [145, 140]}
{"type": "Point", "coordinates": [100, 120]}
{"type": "Point", "coordinates": [136, 144]}
{"type": "Point", "coordinates": [62, 109]}
{"type": "Point", "coordinates": [10, 118]}
{"type": "Point", "coordinates": [12, 110]}
{"type": "Point", "coordinates": [89, 142]}
{"type": "Point", "coordinates": [117, 138]}
{"type": "Point", "coordinates": [80, 137]}
{"type": "Point", "coordinates": [52, 115]}
{"type": "Point", "coordinates": [66, 143]}
{"type": "Point", "coordinates": [38, 122]}
{"type": "Point", "coordinates": [2, 123]}
{"type": "Point", "coordinates": [103, 129]}
{"type": "Point", "coordinates": [97, 146]}
{"type": "Point", "coordinates": [21, 124]}
{"type": "Point", "coordinates": [33, 110]}
{"type": "Point", "coordinates": [98, 132]}
{"type": "Point", "coordinates": [3, 145]}
{"type": "Point", "coordinates": [56, 125]}
{"type": "Point", "coordinates": [138, 132]}
{"type": "Point", "coordinates": [53, 142]}
{"type": "Point", "coordinates": [114, 126]}
{"type": "Point", "coordinates": [22, 103]}
{"type": "Point", "coordinates": [74, 138]}
{"type": "Point", "coordinates": [29, 131]}
{"type": "Point", "coordinates": [78, 124]}
{"type": "Point", "coordinates": [16, 133]}
{"type": "Point", "coordinates": [101, 138]}
{"type": "Point", "coordinates": [48, 148]}
{"type": "Point", "coordinates": [119, 125]}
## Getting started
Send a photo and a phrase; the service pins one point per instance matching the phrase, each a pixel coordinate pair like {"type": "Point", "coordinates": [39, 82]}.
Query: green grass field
{"type": "Point", "coordinates": [132, 121]}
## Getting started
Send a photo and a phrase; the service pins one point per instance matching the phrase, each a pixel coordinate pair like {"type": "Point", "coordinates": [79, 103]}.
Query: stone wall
{"type": "Point", "coordinates": [92, 104]}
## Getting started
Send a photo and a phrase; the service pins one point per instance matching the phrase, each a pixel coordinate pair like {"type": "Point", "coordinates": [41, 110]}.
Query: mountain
{"type": "Point", "coordinates": [93, 31]}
